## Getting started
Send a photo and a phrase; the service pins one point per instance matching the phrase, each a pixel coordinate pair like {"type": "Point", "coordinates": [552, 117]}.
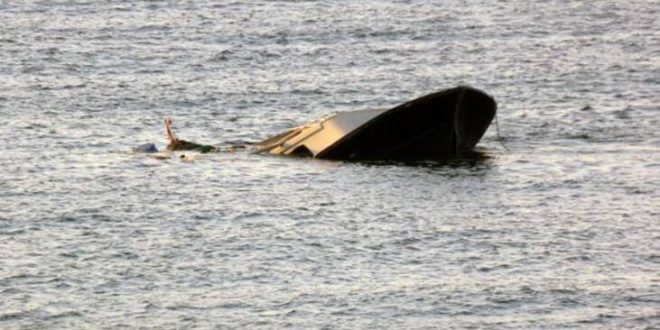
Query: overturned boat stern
{"type": "Point", "coordinates": [435, 126]}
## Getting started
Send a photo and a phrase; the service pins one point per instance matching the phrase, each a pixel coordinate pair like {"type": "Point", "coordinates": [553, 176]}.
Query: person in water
{"type": "Point", "coordinates": [178, 144]}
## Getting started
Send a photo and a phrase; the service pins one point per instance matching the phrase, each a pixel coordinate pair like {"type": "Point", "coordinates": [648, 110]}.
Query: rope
{"type": "Point", "coordinates": [499, 137]}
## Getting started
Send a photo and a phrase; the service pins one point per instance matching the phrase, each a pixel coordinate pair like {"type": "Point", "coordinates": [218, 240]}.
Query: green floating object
{"type": "Point", "coordinates": [181, 145]}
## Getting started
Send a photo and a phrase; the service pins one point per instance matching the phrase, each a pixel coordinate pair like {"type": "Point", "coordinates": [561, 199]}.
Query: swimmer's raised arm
{"type": "Point", "coordinates": [168, 128]}
{"type": "Point", "coordinates": [177, 145]}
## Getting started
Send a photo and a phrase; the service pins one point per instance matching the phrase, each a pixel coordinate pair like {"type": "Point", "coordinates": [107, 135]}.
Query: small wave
{"type": "Point", "coordinates": [622, 114]}
{"type": "Point", "coordinates": [579, 136]}
{"type": "Point", "coordinates": [63, 315]}
{"type": "Point", "coordinates": [645, 298]}
{"type": "Point", "coordinates": [62, 87]}
{"type": "Point", "coordinates": [153, 27]}
{"type": "Point", "coordinates": [599, 319]}
{"type": "Point", "coordinates": [151, 71]}
{"type": "Point", "coordinates": [122, 9]}
{"type": "Point", "coordinates": [12, 316]}
{"type": "Point", "coordinates": [486, 269]}
{"type": "Point", "coordinates": [221, 57]}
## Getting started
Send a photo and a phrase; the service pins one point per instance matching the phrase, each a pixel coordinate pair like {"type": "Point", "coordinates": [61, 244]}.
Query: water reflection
{"type": "Point", "coordinates": [475, 160]}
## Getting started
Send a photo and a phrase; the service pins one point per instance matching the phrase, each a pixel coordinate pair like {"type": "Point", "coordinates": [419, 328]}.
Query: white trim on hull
{"type": "Point", "coordinates": [312, 138]}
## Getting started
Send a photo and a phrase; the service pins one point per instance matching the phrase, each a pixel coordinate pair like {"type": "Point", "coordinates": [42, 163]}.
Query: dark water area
{"type": "Point", "coordinates": [557, 226]}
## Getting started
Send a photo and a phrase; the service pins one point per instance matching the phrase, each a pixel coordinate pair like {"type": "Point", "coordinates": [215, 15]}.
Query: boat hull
{"type": "Point", "coordinates": [435, 126]}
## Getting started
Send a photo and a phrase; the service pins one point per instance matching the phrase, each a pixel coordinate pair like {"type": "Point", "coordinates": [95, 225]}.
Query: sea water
{"type": "Point", "coordinates": [557, 227]}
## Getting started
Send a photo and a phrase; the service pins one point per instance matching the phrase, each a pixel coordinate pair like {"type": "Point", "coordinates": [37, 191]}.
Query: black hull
{"type": "Point", "coordinates": [435, 126]}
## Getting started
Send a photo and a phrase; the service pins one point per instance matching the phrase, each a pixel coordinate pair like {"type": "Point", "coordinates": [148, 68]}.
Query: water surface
{"type": "Point", "coordinates": [556, 228]}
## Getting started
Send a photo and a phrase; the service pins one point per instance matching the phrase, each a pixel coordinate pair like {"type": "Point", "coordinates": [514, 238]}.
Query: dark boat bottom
{"type": "Point", "coordinates": [439, 125]}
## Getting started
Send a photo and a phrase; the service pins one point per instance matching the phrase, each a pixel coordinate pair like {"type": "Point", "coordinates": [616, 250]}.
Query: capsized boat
{"type": "Point", "coordinates": [438, 125]}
